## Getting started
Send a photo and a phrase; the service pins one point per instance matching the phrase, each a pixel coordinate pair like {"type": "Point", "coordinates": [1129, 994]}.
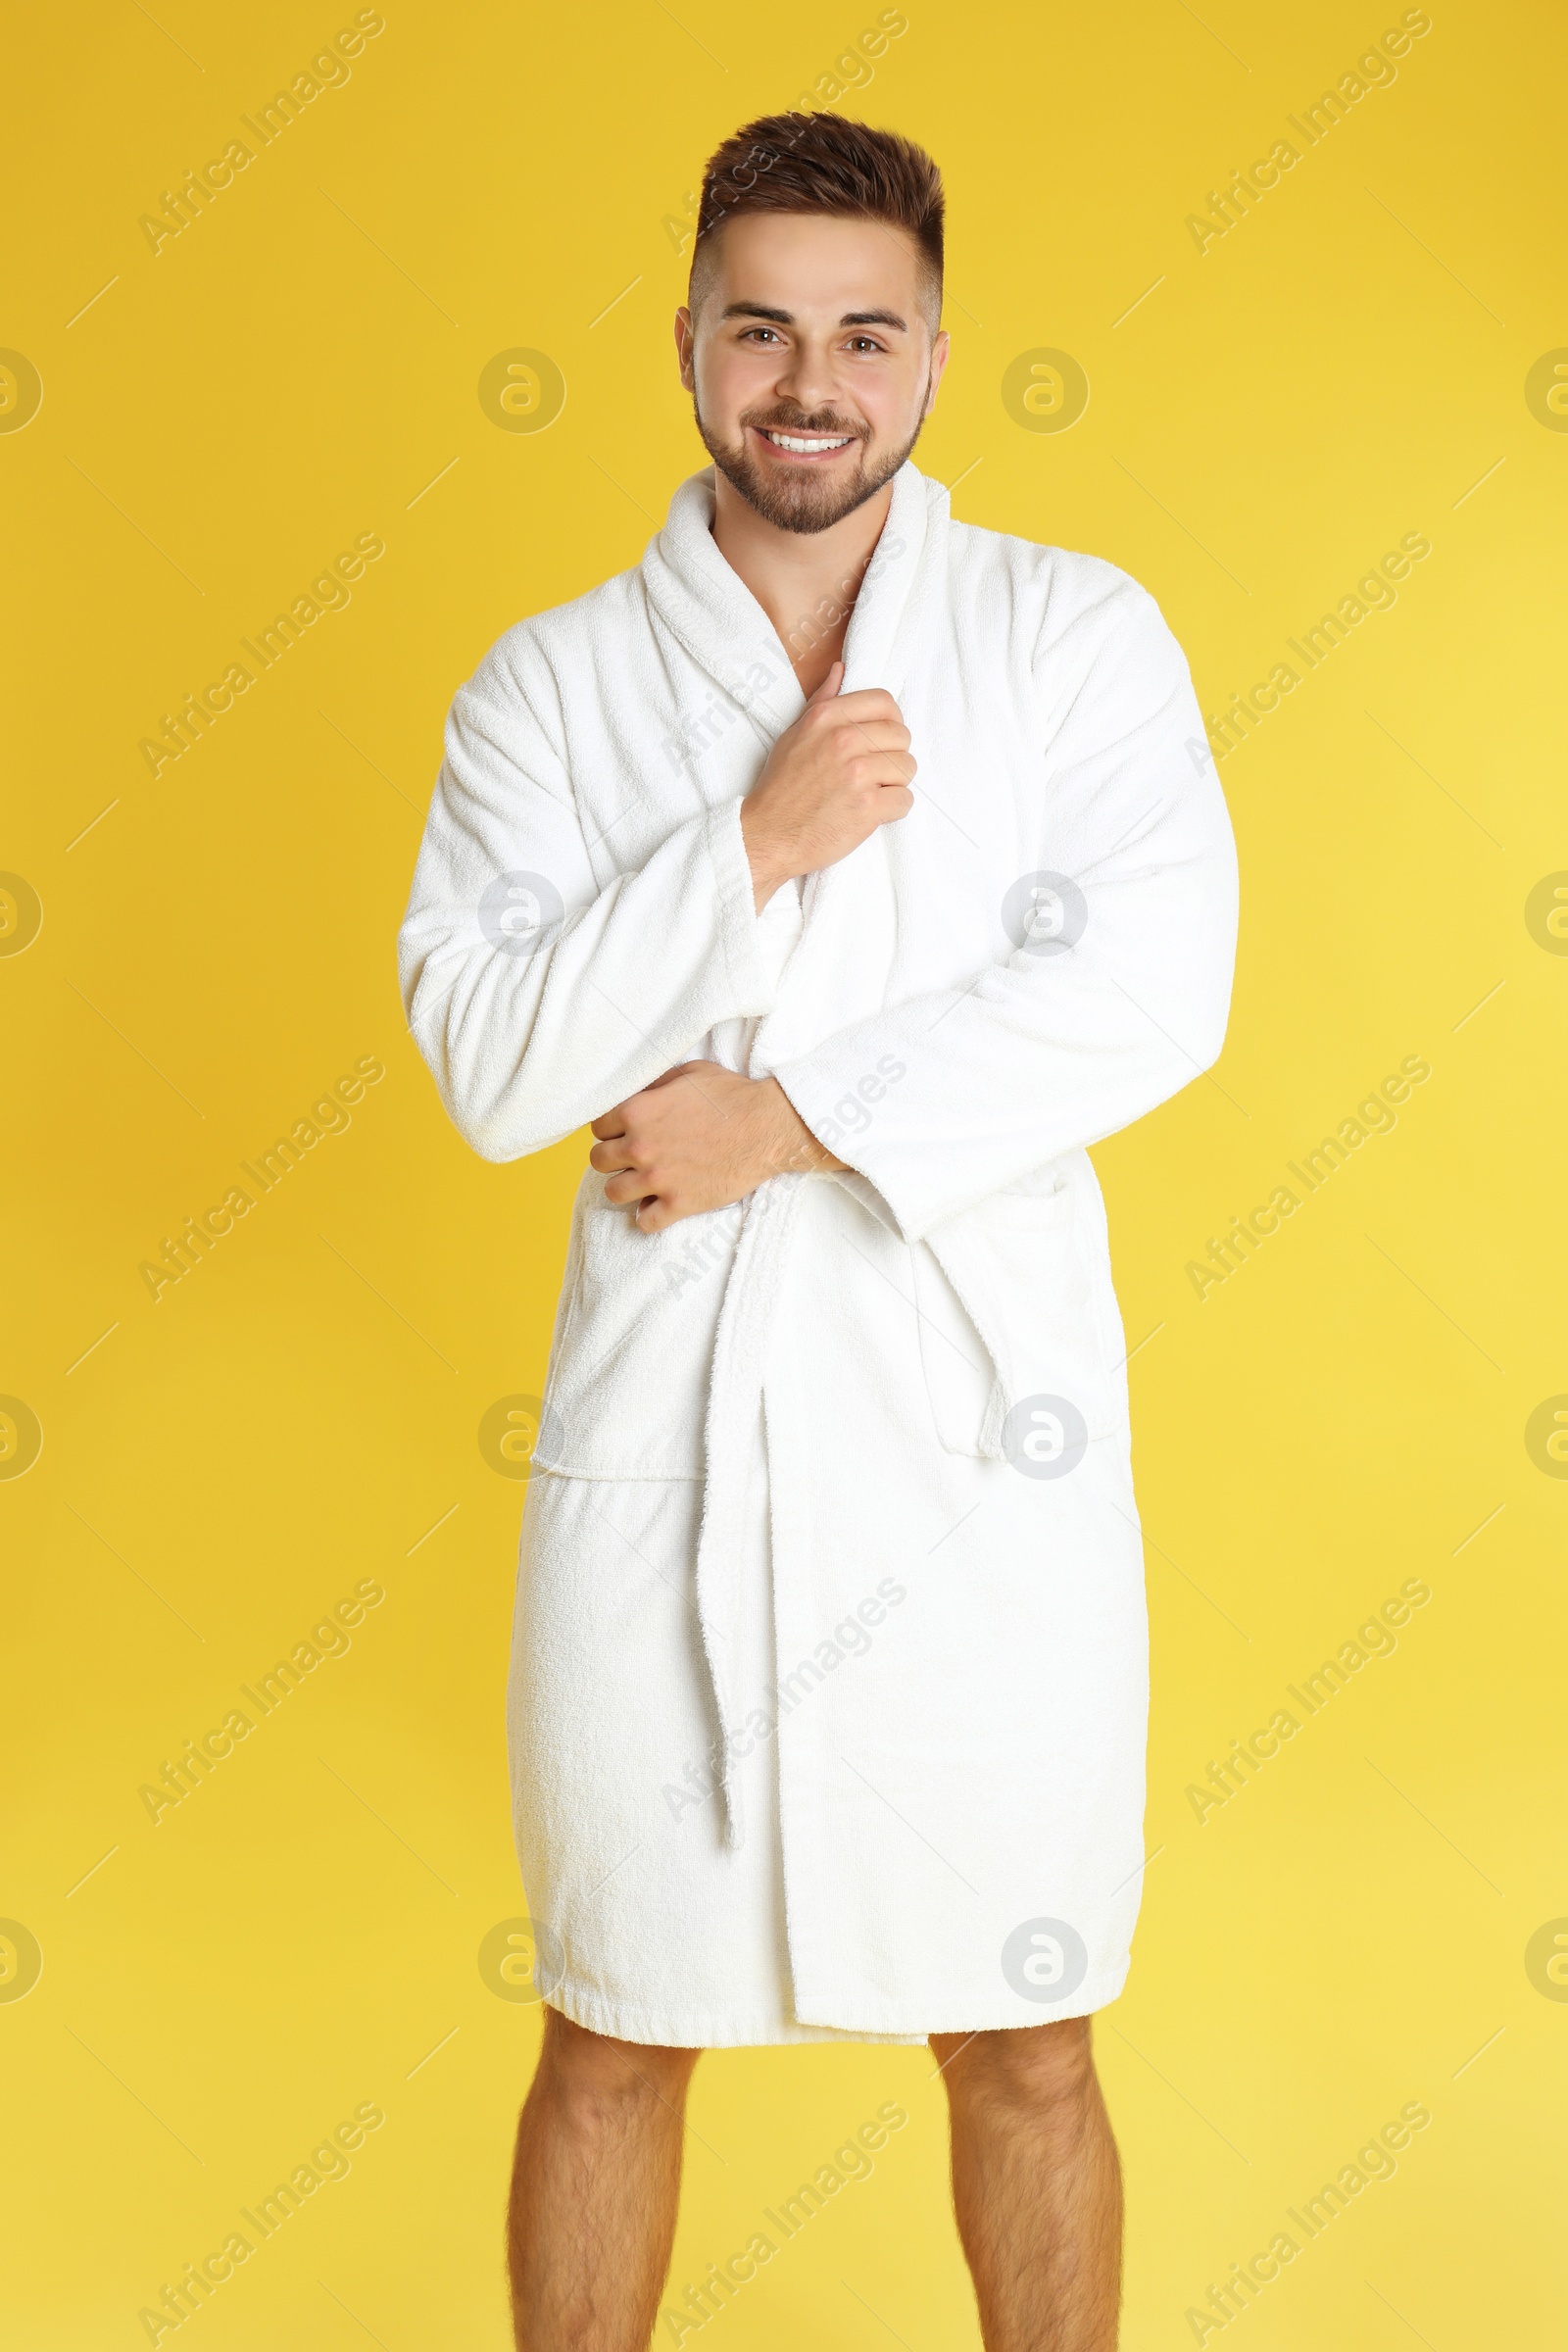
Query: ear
{"type": "Point", "coordinates": [939, 360]}
{"type": "Point", "coordinates": [684, 337]}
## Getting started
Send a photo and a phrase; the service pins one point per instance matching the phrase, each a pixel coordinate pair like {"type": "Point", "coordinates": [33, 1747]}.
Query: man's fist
{"type": "Point", "coordinates": [700, 1138]}
{"type": "Point", "coordinates": [841, 769]}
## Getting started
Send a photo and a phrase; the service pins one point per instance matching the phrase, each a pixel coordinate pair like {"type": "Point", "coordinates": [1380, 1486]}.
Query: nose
{"type": "Point", "coordinates": [807, 376]}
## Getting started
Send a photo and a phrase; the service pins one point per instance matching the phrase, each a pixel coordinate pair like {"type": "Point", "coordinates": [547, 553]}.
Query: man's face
{"type": "Point", "coordinates": [809, 330]}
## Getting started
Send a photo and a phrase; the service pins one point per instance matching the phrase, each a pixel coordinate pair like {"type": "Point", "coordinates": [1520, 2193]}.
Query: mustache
{"type": "Point", "coordinates": [783, 418]}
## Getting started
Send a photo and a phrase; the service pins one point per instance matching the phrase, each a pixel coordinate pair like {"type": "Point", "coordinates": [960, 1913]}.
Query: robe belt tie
{"type": "Point", "coordinates": [752, 1291]}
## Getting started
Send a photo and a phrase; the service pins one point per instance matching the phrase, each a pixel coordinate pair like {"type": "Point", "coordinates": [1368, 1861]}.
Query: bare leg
{"type": "Point", "coordinates": [595, 2185]}
{"type": "Point", "coordinates": [1035, 2187]}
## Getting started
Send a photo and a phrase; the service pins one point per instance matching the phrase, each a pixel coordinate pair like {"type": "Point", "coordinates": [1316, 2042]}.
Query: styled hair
{"type": "Point", "coordinates": [798, 162]}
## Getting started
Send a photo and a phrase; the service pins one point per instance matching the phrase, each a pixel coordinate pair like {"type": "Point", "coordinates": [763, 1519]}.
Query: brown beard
{"type": "Point", "coordinates": [800, 502]}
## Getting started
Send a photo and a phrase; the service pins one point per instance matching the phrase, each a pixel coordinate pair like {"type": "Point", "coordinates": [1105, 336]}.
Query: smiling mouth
{"type": "Point", "coordinates": [805, 445]}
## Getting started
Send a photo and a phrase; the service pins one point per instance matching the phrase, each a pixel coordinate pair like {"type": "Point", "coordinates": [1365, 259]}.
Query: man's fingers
{"type": "Point", "coordinates": [878, 735]}
{"type": "Point", "coordinates": [893, 802]}
{"type": "Point", "coordinates": [829, 686]}
{"type": "Point", "coordinates": [868, 702]}
{"type": "Point", "coordinates": [613, 1122]}
{"type": "Point", "coordinates": [608, 1159]}
{"type": "Point", "coordinates": [884, 769]}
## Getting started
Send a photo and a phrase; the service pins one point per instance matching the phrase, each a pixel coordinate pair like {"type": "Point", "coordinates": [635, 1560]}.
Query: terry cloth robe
{"type": "Point", "coordinates": [829, 1682]}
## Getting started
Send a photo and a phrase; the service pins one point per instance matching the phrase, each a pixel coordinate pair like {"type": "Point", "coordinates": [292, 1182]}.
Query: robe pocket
{"type": "Point", "coordinates": [628, 1374]}
{"type": "Point", "coordinates": [1009, 1311]}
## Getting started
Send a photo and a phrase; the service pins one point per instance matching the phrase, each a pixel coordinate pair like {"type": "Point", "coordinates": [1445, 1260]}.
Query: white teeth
{"type": "Point", "coordinates": [808, 448]}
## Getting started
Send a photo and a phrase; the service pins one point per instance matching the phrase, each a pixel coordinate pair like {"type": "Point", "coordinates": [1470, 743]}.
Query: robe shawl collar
{"type": "Point", "coordinates": [715, 615]}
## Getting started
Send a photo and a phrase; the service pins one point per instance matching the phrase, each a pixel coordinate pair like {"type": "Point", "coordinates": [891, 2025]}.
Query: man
{"type": "Point", "coordinates": [849, 870]}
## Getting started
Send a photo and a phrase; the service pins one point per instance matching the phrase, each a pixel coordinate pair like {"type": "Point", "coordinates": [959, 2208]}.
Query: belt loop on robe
{"type": "Point", "coordinates": [752, 1292]}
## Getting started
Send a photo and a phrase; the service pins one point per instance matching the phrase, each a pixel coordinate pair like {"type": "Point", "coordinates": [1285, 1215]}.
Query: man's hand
{"type": "Point", "coordinates": [841, 769]}
{"type": "Point", "coordinates": [700, 1138]}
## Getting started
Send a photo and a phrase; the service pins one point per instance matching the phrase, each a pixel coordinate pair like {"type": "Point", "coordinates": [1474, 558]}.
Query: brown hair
{"type": "Point", "coordinates": [800, 162]}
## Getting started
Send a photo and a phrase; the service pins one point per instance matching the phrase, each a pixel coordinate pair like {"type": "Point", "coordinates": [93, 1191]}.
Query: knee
{"type": "Point", "coordinates": [598, 2076]}
{"type": "Point", "coordinates": [1034, 2067]}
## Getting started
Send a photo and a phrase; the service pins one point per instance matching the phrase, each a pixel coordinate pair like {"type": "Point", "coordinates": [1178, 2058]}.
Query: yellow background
{"type": "Point", "coordinates": [294, 369]}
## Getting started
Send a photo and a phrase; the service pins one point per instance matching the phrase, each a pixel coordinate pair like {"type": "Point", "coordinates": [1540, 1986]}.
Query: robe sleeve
{"type": "Point", "coordinates": [538, 996]}
{"type": "Point", "coordinates": [1062, 1041]}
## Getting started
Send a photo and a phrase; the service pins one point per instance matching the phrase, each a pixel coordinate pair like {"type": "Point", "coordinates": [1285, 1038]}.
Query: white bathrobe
{"type": "Point", "coordinates": [829, 1675]}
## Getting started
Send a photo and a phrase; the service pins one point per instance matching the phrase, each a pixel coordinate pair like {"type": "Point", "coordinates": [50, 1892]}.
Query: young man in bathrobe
{"type": "Point", "coordinates": [847, 870]}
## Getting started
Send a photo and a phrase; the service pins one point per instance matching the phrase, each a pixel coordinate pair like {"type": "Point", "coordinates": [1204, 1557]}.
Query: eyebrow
{"type": "Point", "coordinates": [762, 310]}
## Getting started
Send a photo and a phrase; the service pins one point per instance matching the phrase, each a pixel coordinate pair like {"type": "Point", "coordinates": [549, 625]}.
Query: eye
{"type": "Point", "coordinates": [759, 332]}
{"type": "Point", "coordinates": [864, 343]}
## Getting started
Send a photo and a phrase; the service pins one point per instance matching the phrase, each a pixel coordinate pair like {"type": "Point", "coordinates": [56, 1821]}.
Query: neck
{"type": "Point", "coordinates": [806, 581]}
